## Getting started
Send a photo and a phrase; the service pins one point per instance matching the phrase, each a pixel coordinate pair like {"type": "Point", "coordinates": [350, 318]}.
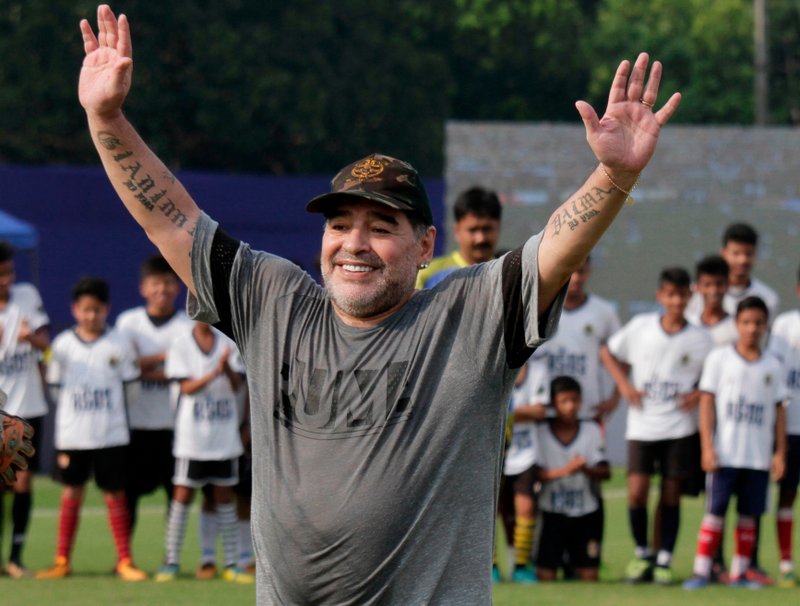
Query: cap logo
{"type": "Point", "coordinates": [367, 169]}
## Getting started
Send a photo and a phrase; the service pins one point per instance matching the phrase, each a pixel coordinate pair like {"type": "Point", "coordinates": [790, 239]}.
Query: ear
{"type": "Point", "coordinates": [427, 243]}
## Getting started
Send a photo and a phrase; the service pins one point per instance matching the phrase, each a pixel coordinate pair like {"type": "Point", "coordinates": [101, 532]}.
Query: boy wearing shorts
{"type": "Point", "coordinates": [90, 370]}
{"type": "Point", "coordinates": [743, 438]}
{"type": "Point", "coordinates": [206, 368]}
{"type": "Point", "coordinates": [570, 462]}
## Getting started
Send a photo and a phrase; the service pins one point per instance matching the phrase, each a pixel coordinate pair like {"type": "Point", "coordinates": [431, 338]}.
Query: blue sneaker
{"type": "Point", "coordinates": [745, 583]}
{"type": "Point", "coordinates": [524, 574]}
{"type": "Point", "coordinates": [496, 576]}
{"type": "Point", "coordinates": [696, 582]}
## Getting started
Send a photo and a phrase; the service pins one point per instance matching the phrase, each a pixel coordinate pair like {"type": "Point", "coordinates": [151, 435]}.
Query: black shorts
{"type": "Point", "coordinates": [34, 462]}
{"type": "Point", "coordinates": [576, 541]}
{"type": "Point", "coordinates": [749, 485]}
{"type": "Point", "coordinates": [75, 467]}
{"type": "Point", "coordinates": [196, 474]}
{"type": "Point", "coordinates": [150, 460]}
{"type": "Point", "coordinates": [523, 483]}
{"type": "Point", "coordinates": [245, 486]}
{"type": "Point", "coordinates": [791, 477]}
{"type": "Point", "coordinates": [675, 458]}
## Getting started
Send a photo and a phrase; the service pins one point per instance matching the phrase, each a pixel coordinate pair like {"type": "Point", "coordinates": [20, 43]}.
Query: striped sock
{"type": "Point", "coordinates": [119, 519]}
{"type": "Point", "coordinates": [523, 540]}
{"type": "Point", "coordinates": [708, 540]}
{"type": "Point", "coordinates": [227, 526]}
{"type": "Point", "coordinates": [745, 539]}
{"type": "Point", "coordinates": [245, 544]}
{"type": "Point", "coordinates": [67, 526]}
{"type": "Point", "coordinates": [209, 526]}
{"type": "Point", "coordinates": [176, 531]}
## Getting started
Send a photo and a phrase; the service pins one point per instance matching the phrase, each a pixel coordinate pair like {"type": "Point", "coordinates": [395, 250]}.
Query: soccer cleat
{"type": "Point", "coordinates": [17, 571]}
{"type": "Point", "coordinates": [234, 574]}
{"type": "Point", "coordinates": [759, 576]}
{"type": "Point", "coordinates": [639, 570]}
{"type": "Point", "coordinates": [719, 574]}
{"type": "Point", "coordinates": [126, 571]}
{"type": "Point", "coordinates": [787, 580]}
{"type": "Point", "coordinates": [662, 575]}
{"type": "Point", "coordinates": [167, 573]}
{"type": "Point", "coordinates": [696, 582]}
{"type": "Point", "coordinates": [524, 574]}
{"type": "Point", "coordinates": [60, 570]}
{"type": "Point", "coordinates": [206, 572]}
{"type": "Point", "coordinates": [744, 583]}
{"type": "Point", "coordinates": [496, 576]}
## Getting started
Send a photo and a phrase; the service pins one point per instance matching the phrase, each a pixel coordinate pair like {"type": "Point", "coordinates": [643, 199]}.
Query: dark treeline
{"type": "Point", "coordinates": [305, 86]}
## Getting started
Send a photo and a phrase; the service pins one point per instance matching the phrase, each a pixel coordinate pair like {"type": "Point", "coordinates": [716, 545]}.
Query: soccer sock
{"type": "Point", "coordinates": [132, 503]}
{"type": "Point", "coordinates": [245, 543]}
{"type": "Point", "coordinates": [67, 526]}
{"type": "Point", "coordinates": [230, 533]}
{"type": "Point", "coordinates": [756, 534]}
{"type": "Point", "coordinates": [20, 515]}
{"type": "Point", "coordinates": [209, 526]}
{"type": "Point", "coordinates": [745, 539]}
{"type": "Point", "coordinates": [670, 522]}
{"type": "Point", "coordinates": [119, 519]}
{"type": "Point", "coordinates": [785, 524]}
{"type": "Point", "coordinates": [638, 521]}
{"type": "Point", "coordinates": [708, 540]}
{"type": "Point", "coordinates": [176, 531]}
{"type": "Point", "coordinates": [523, 540]}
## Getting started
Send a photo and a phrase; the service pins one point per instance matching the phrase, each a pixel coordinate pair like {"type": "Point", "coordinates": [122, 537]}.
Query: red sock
{"type": "Point", "coordinates": [785, 525]}
{"type": "Point", "coordinates": [67, 526]}
{"type": "Point", "coordinates": [709, 537]}
{"type": "Point", "coordinates": [120, 522]}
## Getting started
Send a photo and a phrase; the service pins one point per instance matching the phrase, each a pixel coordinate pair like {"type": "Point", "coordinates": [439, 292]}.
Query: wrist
{"type": "Point", "coordinates": [621, 180]}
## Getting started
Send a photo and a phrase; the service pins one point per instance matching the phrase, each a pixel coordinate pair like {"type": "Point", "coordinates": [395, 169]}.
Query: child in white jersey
{"type": "Point", "coordinates": [784, 343]}
{"type": "Point", "coordinates": [570, 460]}
{"type": "Point", "coordinates": [91, 366]}
{"type": "Point", "coordinates": [664, 355]}
{"type": "Point", "coordinates": [743, 437]}
{"type": "Point", "coordinates": [527, 405]}
{"type": "Point", "coordinates": [207, 369]}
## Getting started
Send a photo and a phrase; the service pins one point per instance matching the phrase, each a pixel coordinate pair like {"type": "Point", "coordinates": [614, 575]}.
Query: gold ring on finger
{"type": "Point", "coordinates": [643, 102]}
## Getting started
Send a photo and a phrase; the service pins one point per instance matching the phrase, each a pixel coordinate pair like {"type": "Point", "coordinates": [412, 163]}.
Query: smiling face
{"type": "Point", "coordinates": [370, 255]}
{"type": "Point", "coordinates": [673, 299]}
{"type": "Point", "coordinates": [160, 292]}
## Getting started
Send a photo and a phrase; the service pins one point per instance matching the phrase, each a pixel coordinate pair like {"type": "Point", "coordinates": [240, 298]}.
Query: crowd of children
{"type": "Point", "coordinates": [156, 401]}
{"type": "Point", "coordinates": [713, 406]}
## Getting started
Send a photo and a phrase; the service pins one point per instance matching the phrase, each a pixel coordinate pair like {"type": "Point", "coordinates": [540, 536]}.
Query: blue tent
{"type": "Point", "coordinates": [25, 239]}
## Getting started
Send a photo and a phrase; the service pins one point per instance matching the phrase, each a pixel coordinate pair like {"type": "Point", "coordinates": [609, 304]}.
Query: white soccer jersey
{"type": "Point", "coordinates": [19, 361]}
{"type": "Point", "coordinates": [153, 408]}
{"type": "Point", "coordinates": [534, 389]}
{"type": "Point", "coordinates": [91, 411]}
{"type": "Point", "coordinates": [207, 423]}
{"type": "Point", "coordinates": [574, 349]}
{"type": "Point", "coordinates": [784, 343]}
{"type": "Point", "coordinates": [573, 495]}
{"type": "Point", "coordinates": [722, 333]}
{"type": "Point", "coordinates": [664, 366]}
{"type": "Point", "coordinates": [746, 395]}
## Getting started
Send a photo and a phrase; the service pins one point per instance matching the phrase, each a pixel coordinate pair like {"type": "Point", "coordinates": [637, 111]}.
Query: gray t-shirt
{"type": "Point", "coordinates": [376, 451]}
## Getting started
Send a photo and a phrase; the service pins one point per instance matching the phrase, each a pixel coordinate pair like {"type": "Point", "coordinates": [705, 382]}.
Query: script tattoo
{"type": "Point", "coordinates": [143, 187]}
{"type": "Point", "coordinates": [580, 209]}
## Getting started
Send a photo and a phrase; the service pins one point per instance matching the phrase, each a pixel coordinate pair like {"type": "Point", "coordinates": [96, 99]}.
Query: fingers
{"type": "Point", "coordinates": [665, 113]}
{"type": "Point", "coordinates": [650, 94]}
{"type": "Point", "coordinates": [107, 26]}
{"type": "Point", "coordinates": [589, 117]}
{"type": "Point", "coordinates": [124, 46]}
{"type": "Point", "coordinates": [619, 84]}
{"type": "Point", "coordinates": [636, 81]}
{"type": "Point", "coordinates": [90, 42]}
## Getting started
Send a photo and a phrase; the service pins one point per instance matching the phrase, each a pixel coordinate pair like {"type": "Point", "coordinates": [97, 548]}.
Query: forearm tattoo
{"type": "Point", "coordinates": [580, 209]}
{"type": "Point", "coordinates": [143, 187]}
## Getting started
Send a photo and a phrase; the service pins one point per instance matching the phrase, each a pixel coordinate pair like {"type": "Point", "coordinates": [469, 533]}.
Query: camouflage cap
{"type": "Point", "coordinates": [382, 179]}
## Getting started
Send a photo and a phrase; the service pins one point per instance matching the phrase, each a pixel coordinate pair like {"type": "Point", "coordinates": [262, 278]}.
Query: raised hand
{"type": "Point", "coordinates": [624, 139]}
{"type": "Point", "coordinates": [106, 73]}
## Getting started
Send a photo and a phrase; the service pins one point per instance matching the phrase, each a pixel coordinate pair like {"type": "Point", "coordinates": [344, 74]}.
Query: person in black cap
{"type": "Point", "coordinates": [377, 410]}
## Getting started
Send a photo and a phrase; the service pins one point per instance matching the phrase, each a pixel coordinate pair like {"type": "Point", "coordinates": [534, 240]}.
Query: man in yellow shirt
{"type": "Point", "coordinates": [477, 214]}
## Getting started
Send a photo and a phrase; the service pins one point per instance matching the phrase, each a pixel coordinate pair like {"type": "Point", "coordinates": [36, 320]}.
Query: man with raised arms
{"type": "Point", "coordinates": [374, 407]}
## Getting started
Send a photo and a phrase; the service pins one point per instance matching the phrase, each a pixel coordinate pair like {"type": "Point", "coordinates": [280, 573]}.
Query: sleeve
{"type": "Point", "coordinates": [613, 324]}
{"type": "Point", "coordinates": [37, 315]}
{"type": "Point", "coordinates": [523, 328]}
{"type": "Point", "coordinates": [620, 342]}
{"type": "Point", "coordinates": [597, 446]}
{"type": "Point", "coordinates": [537, 382]}
{"type": "Point", "coordinates": [709, 378]}
{"type": "Point", "coordinates": [778, 345]}
{"type": "Point", "coordinates": [129, 366]}
{"type": "Point", "coordinates": [55, 366]}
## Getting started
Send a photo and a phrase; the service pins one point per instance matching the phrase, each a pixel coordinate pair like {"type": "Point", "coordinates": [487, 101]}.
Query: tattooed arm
{"type": "Point", "coordinates": [157, 201]}
{"type": "Point", "coordinates": [623, 141]}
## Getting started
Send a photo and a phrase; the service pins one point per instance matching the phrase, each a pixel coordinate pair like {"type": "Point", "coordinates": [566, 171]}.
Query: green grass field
{"type": "Point", "coordinates": [93, 583]}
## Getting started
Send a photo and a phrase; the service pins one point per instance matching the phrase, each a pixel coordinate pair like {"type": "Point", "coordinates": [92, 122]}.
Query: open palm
{"type": "Point", "coordinates": [106, 73]}
{"type": "Point", "coordinates": [625, 138]}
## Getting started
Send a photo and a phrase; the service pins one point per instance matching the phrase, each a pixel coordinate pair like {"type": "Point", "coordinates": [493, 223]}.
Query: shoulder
{"type": "Point", "coordinates": [63, 339]}
{"type": "Point", "coordinates": [129, 317]}
{"type": "Point", "coordinates": [26, 296]}
{"type": "Point", "coordinates": [787, 320]}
